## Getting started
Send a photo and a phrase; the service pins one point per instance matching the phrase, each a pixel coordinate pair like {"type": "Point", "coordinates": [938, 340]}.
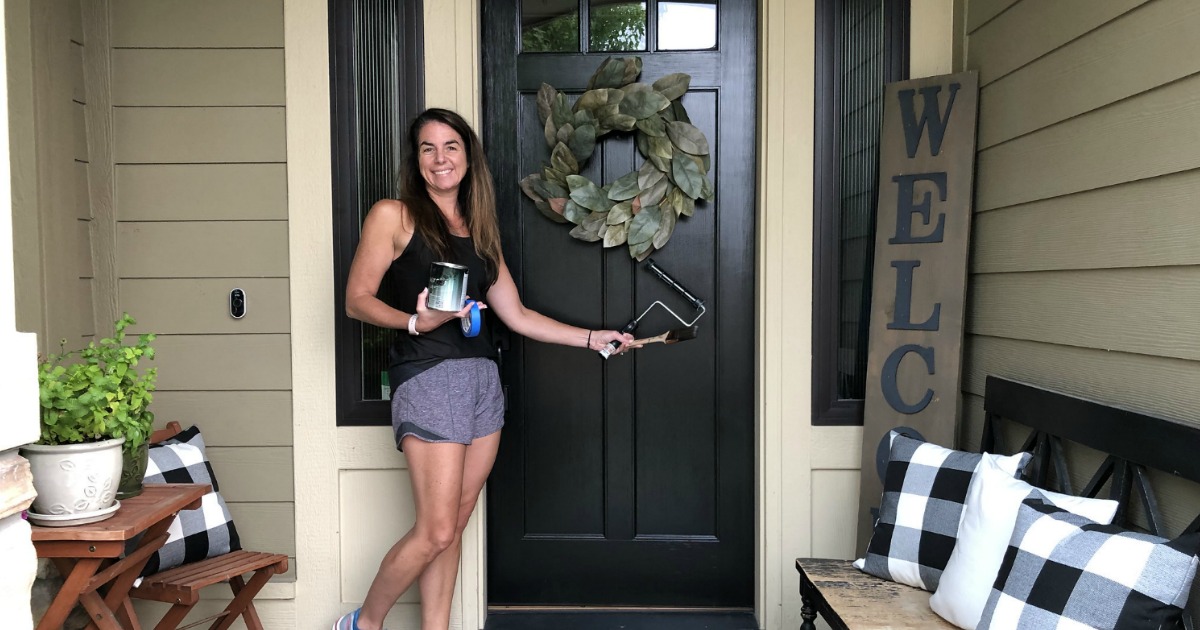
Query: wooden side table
{"type": "Point", "coordinates": [90, 555]}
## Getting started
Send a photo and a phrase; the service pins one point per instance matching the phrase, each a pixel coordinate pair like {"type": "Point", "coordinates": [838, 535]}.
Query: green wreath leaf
{"type": "Point", "coordinates": [626, 187]}
{"type": "Point", "coordinates": [653, 125]}
{"type": "Point", "coordinates": [574, 212]}
{"type": "Point", "coordinates": [616, 234]}
{"type": "Point", "coordinates": [545, 98]}
{"type": "Point", "coordinates": [587, 194]}
{"type": "Point", "coordinates": [655, 193]}
{"type": "Point", "coordinates": [560, 111]}
{"type": "Point", "coordinates": [582, 142]}
{"type": "Point", "coordinates": [642, 103]}
{"type": "Point", "coordinates": [562, 160]}
{"type": "Point", "coordinates": [673, 86]}
{"type": "Point", "coordinates": [620, 213]}
{"type": "Point", "coordinates": [665, 229]}
{"type": "Point", "coordinates": [687, 137]}
{"type": "Point", "coordinates": [687, 174]}
{"type": "Point", "coordinates": [644, 225]}
{"type": "Point", "coordinates": [648, 175]}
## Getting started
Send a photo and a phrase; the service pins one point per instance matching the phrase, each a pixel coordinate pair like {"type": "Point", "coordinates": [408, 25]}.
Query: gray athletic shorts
{"type": "Point", "coordinates": [456, 400]}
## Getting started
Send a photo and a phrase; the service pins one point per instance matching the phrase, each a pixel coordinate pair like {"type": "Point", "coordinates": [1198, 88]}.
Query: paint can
{"type": "Point", "coordinates": [447, 286]}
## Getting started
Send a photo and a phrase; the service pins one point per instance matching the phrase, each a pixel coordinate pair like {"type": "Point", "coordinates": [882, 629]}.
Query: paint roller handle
{"type": "Point", "coordinates": [612, 346]}
{"type": "Point", "coordinates": [697, 303]}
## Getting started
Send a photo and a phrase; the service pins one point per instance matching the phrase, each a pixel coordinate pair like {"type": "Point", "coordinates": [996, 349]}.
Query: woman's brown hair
{"type": "Point", "coordinates": [476, 195]}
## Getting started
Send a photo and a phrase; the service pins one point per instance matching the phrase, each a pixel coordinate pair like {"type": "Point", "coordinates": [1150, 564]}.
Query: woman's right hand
{"type": "Point", "coordinates": [429, 319]}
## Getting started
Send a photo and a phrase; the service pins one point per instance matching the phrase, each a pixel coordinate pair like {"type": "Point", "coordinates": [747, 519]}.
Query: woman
{"type": "Point", "coordinates": [447, 406]}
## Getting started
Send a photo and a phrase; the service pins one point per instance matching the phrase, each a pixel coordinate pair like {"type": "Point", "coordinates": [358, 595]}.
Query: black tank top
{"type": "Point", "coordinates": [411, 355]}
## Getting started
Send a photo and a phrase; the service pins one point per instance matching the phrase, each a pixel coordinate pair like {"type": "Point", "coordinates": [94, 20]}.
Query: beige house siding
{"type": "Point", "coordinates": [52, 216]}
{"type": "Point", "coordinates": [1085, 266]}
{"type": "Point", "coordinates": [199, 195]}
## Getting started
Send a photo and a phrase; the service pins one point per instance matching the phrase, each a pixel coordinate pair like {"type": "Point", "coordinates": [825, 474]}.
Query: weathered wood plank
{"type": "Point", "coordinates": [229, 418]}
{"type": "Point", "coordinates": [212, 249]}
{"type": "Point", "coordinates": [1145, 311]}
{"type": "Point", "coordinates": [223, 362]}
{"type": "Point", "coordinates": [1152, 134]}
{"type": "Point", "coordinates": [1032, 29]}
{"type": "Point", "coordinates": [172, 135]}
{"type": "Point", "coordinates": [253, 473]}
{"type": "Point", "coordinates": [188, 24]}
{"type": "Point", "coordinates": [201, 305]}
{"type": "Point", "coordinates": [1156, 385]}
{"type": "Point", "coordinates": [1135, 53]}
{"type": "Point", "coordinates": [191, 77]}
{"type": "Point", "coordinates": [196, 192]}
{"type": "Point", "coordinates": [865, 602]}
{"type": "Point", "coordinates": [1147, 223]}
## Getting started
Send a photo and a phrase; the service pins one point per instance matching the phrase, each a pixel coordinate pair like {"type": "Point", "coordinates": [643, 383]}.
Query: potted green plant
{"type": "Point", "coordinates": [95, 405]}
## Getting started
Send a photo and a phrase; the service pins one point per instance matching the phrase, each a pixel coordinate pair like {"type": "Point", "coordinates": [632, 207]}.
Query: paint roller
{"type": "Point", "coordinates": [689, 327]}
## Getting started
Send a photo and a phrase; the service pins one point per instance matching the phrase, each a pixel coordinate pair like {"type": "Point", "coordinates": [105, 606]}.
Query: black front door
{"type": "Point", "coordinates": [628, 481]}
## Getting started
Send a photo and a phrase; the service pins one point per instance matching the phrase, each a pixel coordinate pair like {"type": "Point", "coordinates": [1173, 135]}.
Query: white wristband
{"type": "Point", "coordinates": [412, 325]}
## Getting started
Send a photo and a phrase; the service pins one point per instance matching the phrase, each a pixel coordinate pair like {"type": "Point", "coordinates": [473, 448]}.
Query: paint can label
{"type": "Point", "coordinates": [447, 286]}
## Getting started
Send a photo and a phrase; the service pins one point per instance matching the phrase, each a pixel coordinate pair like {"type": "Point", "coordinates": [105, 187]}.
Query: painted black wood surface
{"type": "Point", "coordinates": [627, 481]}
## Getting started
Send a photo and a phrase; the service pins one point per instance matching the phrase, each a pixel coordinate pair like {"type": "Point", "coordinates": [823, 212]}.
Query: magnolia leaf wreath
{"type": "Point", "coordinates": [641, 207]}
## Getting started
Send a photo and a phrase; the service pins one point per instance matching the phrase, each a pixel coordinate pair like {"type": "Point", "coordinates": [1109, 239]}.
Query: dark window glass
{"type": "Point", "coordinates": [862, 44]}
{"type": "Point", "coordinates": [549, 25]}
{"type": "Point", "coordinates": [617, 26]}
{"type": "Point", "coordinates": [376, 88]}
{"type": "Point", "coordinates": [687, 25]}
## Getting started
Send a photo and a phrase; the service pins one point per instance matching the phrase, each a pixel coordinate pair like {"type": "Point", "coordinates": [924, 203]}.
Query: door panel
{"type": "Point", "coordinates": [627, 481]}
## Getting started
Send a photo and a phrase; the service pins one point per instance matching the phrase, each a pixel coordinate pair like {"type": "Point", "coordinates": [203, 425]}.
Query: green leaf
{"type": "Point", "coordinates": [551, 175]}
{"type": "Point", "coordinates": [687, 174]}
{"type": "Point", "coordinates": [545, 97]}
{"type": "Point", "coordinates": [593, 100]}
{"type": "Point", "coordinates": [582, 118]}
{"type": "Point", "coordinates": [707, 190]}
{"type": "Point", "coordinates": [620, 213]}
{"type": "Point", "coordinates": [665, 230]}
{"type": "Point", "coordinates": [655, 193]}
{"type": "Point", "coordinates": [582, 233]}
{"type": "Point", "coordinates": [674, 85]}
{"type": "Point", "coordinates": [641, 251]}
{"type": "Point", "coordinates": [642, 103]}
{"type": "Point", "coordinates": [633, 68]}
{"type": "Point", "coordinates": [644, 225]}
{"type": "Point", "coordinates": [530, 186]}
{"type": "Point", "coordinates": [653, 125]}
{"type": "Point", "coordinates": [575, 213]}
{"type": "Point", "coordinates": [586, 194]}
{"type": "Point", "coordinates": [648, 175]}
{"type": "Point", "coordinates": [661, 147]}
{"type": "Point", "coordinates": [680, 111]}
{"type": "Point", "coordinates": [616, 234]}
{"type": "Point", "coordinates": [687, 137]}
{"type": "Point", "coordinates": [550, 190]}
{"type": "Point", "coordinates": [610, 74]}
{"type": "Point", "coordinates": [626, 187]}
{"type": "Point", "coordinates": [582, 142]}
{"type": "Point", "coordinates": [564, 132]}
{"type": "Point", "coordinates": [683, 204]}
{"type": "Point", "coordinates": [560, 110]}
{"type": "Point", "coordinates": [643, 144]}
{"type": "Point", "coordinates": [562, 160]}
{"type": "Point", "coordinates": [549, 132]}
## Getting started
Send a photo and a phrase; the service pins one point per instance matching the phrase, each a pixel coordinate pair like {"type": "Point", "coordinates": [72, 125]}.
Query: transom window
{"type": "Point", "coordinates": [617, 26]}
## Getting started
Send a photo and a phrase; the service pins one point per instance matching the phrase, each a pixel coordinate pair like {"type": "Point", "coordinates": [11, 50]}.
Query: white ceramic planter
{"type": "Point", "coordinates": [74, 479]}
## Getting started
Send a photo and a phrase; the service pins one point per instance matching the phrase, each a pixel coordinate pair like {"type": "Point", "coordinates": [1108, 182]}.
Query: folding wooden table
{"type": "Point", "coordinates": [92, 556]}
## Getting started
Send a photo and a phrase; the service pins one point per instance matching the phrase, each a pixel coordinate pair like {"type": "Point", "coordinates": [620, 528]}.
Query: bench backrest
{"type": "Point", "coordinates": [1131, 441]}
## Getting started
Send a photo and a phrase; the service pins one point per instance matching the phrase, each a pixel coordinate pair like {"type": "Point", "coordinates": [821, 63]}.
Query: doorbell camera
{"type": "Point", "coordinates": [237, 303]}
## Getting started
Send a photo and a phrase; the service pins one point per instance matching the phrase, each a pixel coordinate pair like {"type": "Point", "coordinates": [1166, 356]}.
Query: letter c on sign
{"type": "Point", "coordinates": [891, 390]}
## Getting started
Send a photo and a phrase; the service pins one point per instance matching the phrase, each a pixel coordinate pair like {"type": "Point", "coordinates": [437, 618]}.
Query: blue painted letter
{"type": "Point", "coordinates": [902, 318]}
{"type": "Point", "coordinates": [905, 208]}
{"type": "Point", "coordinates": [891, 390]}
{"type": "Point", "coordinates": [930, 115]}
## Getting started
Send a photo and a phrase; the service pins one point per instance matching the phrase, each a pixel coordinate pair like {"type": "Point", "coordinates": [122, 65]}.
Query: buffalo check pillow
{"type": "Point", "coordinates": [205, 532]}
{"type": "Point", "coordinates": [1062, 570]}
{"type": "Point", "coordinates": [924, 489]}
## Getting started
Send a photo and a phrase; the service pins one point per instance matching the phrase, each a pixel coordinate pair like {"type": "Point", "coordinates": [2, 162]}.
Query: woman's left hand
{"type": "Point", "coordinates": [601, 338]}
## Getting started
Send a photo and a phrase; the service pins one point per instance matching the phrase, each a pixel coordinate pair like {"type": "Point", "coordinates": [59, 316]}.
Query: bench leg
{"type": "Point", "coordinates": [174, 617]}
{"type": "Point", "coordinates": [243, 600]}
{"type": "Point", "coordinates": [807, 611]}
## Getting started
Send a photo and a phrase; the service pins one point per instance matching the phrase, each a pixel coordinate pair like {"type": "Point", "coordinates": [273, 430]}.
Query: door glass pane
{"type": "Point", "coordinates": [617, 26]}
{"type": "Point", "coordinates": [549, 26]}
{"type": "Point", "coordinates": [861, 113]}
{"type": "Point", "coordinates": [687, 25]}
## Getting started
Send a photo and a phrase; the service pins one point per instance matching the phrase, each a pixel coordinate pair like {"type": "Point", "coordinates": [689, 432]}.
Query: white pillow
{"type": "Point", "coordinates": [989, 516]}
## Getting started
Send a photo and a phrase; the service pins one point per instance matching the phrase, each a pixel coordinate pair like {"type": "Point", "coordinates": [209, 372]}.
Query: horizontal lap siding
{"type": "Point", "coordinates": [1085, 268]}
{"type": "Point", "coordinates": [201, 204]}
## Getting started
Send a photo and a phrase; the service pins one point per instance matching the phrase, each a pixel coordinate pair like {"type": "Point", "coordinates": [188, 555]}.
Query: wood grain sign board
{"type": "Point", "coordinates": [914, 360]}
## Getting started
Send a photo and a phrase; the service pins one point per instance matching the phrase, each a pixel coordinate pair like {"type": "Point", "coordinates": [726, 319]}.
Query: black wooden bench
{"type": "Point", "coordinates": [1130, 442]}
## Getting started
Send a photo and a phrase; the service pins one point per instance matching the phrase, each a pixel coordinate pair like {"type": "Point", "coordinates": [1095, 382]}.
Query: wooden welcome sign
{"type": "Point", "coordinates": [914, 362]}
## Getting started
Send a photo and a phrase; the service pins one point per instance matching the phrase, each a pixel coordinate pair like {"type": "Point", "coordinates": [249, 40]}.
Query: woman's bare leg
{"type": "Point", "coordinates": [437, 582]}
{"type": "Point", "coordinates": [436, 471]}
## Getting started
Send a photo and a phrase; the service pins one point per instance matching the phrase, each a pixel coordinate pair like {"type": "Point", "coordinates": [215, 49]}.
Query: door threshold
{"type": "Point", "coordinates": [618, 618]}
